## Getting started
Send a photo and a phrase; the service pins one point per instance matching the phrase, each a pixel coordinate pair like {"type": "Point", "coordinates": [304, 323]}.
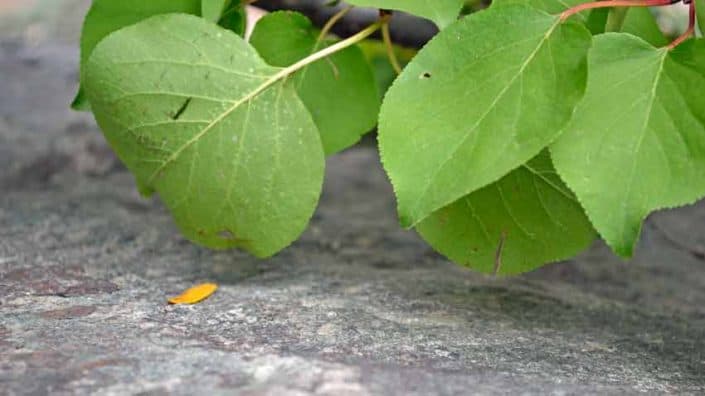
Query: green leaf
{"type": "Point", "coordinates": [638, 21]}
{"type": "Point", "coordinates": [201, 119]}
{"type": "Point", "coordinates": [339, 91]}
{"type": "Point", "coordinates": [597, 20]}
{"type": "Point", "coordinates": [550, 6]}
{"type": "Point", "coordinates": [212, 10]}
{"type": "Point", "coordinates": [234, 18]}
{"type": "Point", "coordinates": [641, 22]}
{"type": "Point", "coordinates": [442, 12]}
{"type": "Point", "coordinates": [375, 52]}
{"type": "Point", "coordinates": [80, 102]}
{"type": "Point", "coordinates": [107, 16]}
{"type": "Point", "coordinates": [481, 99]}
{"type": "Point", "coordinates": [529, 212]}
{"type": "Point", "coordinates": [637, 140]}
{"type": "Point", "coordinates": [229, 14]}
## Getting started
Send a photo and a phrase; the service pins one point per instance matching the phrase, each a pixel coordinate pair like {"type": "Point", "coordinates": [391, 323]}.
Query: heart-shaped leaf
{"type": "Point", "coordinates": [200, 118]}
{"type": "Point", "coordinates": [637, 140]}
{"type": "Point", "coordinates": [519, 223]}
{"type": "Point", "coordinates": [482, 98]}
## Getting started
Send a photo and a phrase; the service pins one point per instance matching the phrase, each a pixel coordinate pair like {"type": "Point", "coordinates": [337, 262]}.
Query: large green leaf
{"type": "Point", "coordinates": [529, 212]}
{"type": "Point", "coordinates": [442, 12]}
{"type": "Point", "coordinates": [482, 98]}
{"type": "Point", "coordinates": [107, 16]}
{"type": "Point", "coordinates": [339, 91]}
{"type": "Point", "coordinates": [200, 118]}
{"type": "Point", "coordinates": [637, 140]}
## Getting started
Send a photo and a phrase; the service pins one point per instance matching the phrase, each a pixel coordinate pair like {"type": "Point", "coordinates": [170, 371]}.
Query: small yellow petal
{"type": "Point", "coordinates": [195, 294]}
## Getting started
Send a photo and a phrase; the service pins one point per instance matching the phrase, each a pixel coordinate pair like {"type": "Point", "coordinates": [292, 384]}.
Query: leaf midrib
{"type": "Point", "coordinates": [236, 105]}
{"type": "Point", "coordinates": [282, 74]}
{"type": "Point", "coordinates": [637, 149]}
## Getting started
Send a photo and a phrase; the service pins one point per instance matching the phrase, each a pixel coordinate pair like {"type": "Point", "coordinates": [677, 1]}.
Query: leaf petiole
{"type": "Point", "coordinates": [615, 3]}
{"type": "Point", "coordinates": [691, 27]}
{"type": "Point", "coordinates": [617, 18]}
{"type": "Point", "coordinates": [331, 22]}
{"type": "Point", "coordinates": [281, 75]}
{"type": "Point", "coordinates": [328, 51]}
{"type": "Point", "coordinates": [387, 38]}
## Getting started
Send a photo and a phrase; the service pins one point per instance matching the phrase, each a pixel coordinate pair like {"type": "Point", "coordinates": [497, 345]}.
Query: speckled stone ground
{"type": "Point", "coordinates": [357, 306]}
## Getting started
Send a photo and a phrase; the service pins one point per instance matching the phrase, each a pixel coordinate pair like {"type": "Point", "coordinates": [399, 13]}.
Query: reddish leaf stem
{"type": "Point", "coordinates": [689, 32]}
{"type": "Point", "coordinates": [615, 3]}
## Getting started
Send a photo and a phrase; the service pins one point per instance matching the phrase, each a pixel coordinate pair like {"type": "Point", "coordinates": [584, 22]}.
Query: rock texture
{"type": "Point", "coordinates": [357, 306]}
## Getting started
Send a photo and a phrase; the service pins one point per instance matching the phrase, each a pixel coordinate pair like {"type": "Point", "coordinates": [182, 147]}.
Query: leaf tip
{"type": "Point", "coordinates": [80, 102]}
{"type": "Point", "coordinates": [406, 221]}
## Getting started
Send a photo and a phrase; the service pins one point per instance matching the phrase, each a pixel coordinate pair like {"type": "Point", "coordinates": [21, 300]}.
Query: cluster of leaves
{"type": "Point", "coordinates": [515, 136]}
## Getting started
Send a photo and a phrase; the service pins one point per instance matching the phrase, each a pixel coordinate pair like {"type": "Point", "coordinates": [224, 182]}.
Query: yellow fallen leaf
{"type": "Point", "coordinates": [195, 294]}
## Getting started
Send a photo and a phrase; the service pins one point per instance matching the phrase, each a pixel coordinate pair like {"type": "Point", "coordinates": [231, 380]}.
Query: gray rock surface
{"type": "Point", "coordinates": [357, 306]}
